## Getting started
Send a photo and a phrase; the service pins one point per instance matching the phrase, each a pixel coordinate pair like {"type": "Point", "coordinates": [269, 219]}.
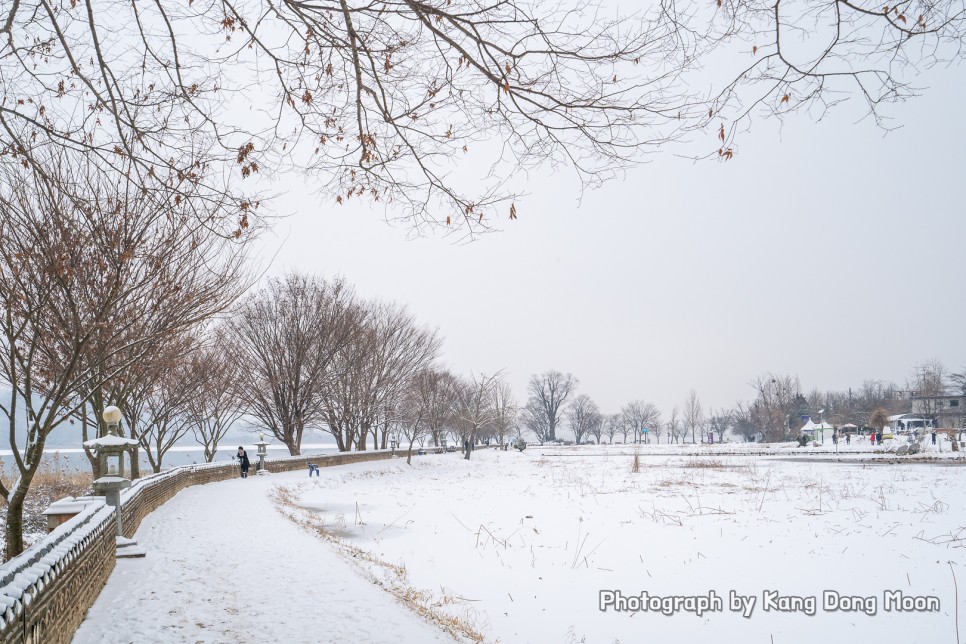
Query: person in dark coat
{"type": "Point", "coordinates": [242, 457]}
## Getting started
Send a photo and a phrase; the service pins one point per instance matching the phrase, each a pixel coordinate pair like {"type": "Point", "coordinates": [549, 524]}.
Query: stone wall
{"type": "Point", "coordinates": [46, 591]}
{"type": "Point", "coordinates": [148, 494]}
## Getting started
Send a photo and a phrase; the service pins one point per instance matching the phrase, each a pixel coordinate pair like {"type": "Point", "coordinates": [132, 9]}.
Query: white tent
{"type": "Point", "coordinates": [812, 427]}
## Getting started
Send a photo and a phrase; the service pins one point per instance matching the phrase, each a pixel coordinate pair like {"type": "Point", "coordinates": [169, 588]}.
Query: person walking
{"type": "Point", "coordinates": [848, 438]}
{"type": "Point", "coordinates": [934, 437]}
{"type": "Point", "coordinates": [872, 437]}
{"type": "Point", "coordinates": [242, 457]}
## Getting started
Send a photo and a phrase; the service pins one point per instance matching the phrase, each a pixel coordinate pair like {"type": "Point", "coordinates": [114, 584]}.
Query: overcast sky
{"type": "Point", "coordinates": [828, 250]}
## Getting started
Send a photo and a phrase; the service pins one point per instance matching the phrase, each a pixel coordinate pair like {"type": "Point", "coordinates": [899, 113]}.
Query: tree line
{"type": "Point", "coordinates": [129, 179]}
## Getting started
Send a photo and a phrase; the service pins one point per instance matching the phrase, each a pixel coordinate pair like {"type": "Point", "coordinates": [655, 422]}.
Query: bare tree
{"type": "Point", "coordinates": [89, 287]}
{"type": "Point", "coordinates": [674, 426]}
{"type": "Point", "coordinates": [506, 421]}
{"type": "Point", "coordinates": [403, 349]}
{"type": "Point", "coordinates": [549, 392]}
{"type": "Point", "coordinates": [434, 391]}
{"type": "Point", "coordinates": [596, 426]}
{"type": "Point", "coordinates": [378, 98]}
{"type": "Point", "coordinates": [370, 372]}
{"type": "Point", "coordinates": [929, 384]}
{"type": "Point", "coordinates": [475, 407]}
{"type": "Point", "coordinates": [167, 420]}
{"type": "Point", "coordinates": [745, 423]}
{"type": "Point", "coordinates": [583, 416]}
{"type": "Point", "coordinates": [611, 426]}
{"type": "Point", "coordinates": [693, 414]}
{"type": "Point", "coordinates": [772, 407]}
{"type": "Point", "coordinates": [416, 406]}
{"type": "Point", "coordinates": [958, 381]}
{"type": "Point", "coordinates": [719, 423]}
{"type": "Point", "coordinates": [624, 426]}
{"type": "Point", "coordinates": [639, 415]}
{"type": "Point", "coordinates": [284, 338]}
{"type": "Point", "coordinates": [535, 420]}
{"type": "Point", "coordinates": [216, 404]}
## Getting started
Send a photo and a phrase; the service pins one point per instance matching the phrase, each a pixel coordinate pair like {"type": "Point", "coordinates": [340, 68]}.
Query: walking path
{"type": "Point", "coordinates": [223, 565]}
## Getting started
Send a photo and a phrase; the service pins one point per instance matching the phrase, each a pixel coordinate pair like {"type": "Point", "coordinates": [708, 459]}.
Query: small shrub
{"type": "Point", "coordinates": [519, 444]}
{"type": "Point", "coordinates": [636, 467]}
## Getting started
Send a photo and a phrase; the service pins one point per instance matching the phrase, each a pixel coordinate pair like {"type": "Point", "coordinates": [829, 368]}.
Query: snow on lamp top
{"type": "Point", "coordinates": [111, 415]}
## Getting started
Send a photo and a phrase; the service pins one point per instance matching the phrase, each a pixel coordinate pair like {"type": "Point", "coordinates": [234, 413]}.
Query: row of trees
{"type": "Point", "coordinates": [306, 353]}
{"type": "Point", "coordinates": [776, 413]}
{"type": "Point", "coordinates": [124, 162]}
{"type": "Point", "coordinates": [102, 285]}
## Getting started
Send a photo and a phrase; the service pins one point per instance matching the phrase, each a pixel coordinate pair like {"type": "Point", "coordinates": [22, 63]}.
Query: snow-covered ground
{"type": "Point", "coordinates": [224, 566]}
{"type": "Point", "coordinates": [517, 547]}
{"type": "Point", "coordinates": [520, 545]}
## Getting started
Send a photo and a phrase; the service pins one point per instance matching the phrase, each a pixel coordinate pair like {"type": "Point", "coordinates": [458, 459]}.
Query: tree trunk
{"type": "Point", "coordinates": [13, 528]}
{"type": "Point", "coordinates": [288, 437]}
{"type": "Point", "coordinates": [409, 456]}
{"type": "Point", "coordinates": [339, 443]}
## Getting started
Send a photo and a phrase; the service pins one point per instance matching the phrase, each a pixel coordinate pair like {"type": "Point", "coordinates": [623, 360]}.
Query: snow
{"type": "Point", "coordinates": [528, 540]}
{"type": "Point", "coordinates": [110, 441]}
{"type": "Point", "coordinates": [223, 565]}
{"type": "Point", "coordinates": [518, 546]}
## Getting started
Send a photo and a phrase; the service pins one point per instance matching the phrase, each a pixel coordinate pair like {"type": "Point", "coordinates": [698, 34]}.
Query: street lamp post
{"type": "Point", "coordinates": [110, 458]}
{"type": "Point", "coordinates": [262, 451]}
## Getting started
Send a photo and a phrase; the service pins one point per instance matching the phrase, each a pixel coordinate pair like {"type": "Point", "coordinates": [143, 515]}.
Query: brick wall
{"type": "Point", "coordinates": [46, 591]}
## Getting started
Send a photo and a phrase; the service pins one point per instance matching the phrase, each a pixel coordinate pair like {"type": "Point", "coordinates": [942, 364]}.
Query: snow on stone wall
{"type": "Point", "coordinates": [46, 591]}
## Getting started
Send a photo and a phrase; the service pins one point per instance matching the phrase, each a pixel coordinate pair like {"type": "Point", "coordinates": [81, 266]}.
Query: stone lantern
{"type": "Point", "coordinates": [262, 450]}
{"type": "Point", "coordinates": [110, 451]}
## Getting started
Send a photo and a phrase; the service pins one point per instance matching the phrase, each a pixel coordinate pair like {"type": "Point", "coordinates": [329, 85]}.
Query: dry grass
{"type": "Point", "coordinates": [636, 466]}
{"type": "Point", "coordinates": [706, 464]}
{"type": "Point", "coordinates": [51, 483]}
{"type": "Point", "coordinates": [669, 483]}
{"type": "Point", "coordinates": [395, 580]}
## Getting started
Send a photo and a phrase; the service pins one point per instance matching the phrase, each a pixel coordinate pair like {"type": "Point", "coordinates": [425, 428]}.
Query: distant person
{"type": "Point", "coordinates": [835, 438]}
{"type": "Point", "coordinates": [872, 438]}
{"type": "Point", "coordinates": [848, 438]}
{"type": "Point", "coordinates": [934, 437]}
{"type": "Point", "coordinates": [878, 437]}
{"type": "Point", "coordinates": [242, 457]}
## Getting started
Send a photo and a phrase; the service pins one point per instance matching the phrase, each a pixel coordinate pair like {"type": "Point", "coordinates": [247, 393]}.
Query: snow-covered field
{"type": "Point", "coordinates": [519, 546]}
{"type": "Point", "coordinates": [516, 547]}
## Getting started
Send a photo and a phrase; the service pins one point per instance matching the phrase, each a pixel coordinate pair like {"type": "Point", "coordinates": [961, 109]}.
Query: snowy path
{"type": "Point", "coordinates": [224, 566]}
